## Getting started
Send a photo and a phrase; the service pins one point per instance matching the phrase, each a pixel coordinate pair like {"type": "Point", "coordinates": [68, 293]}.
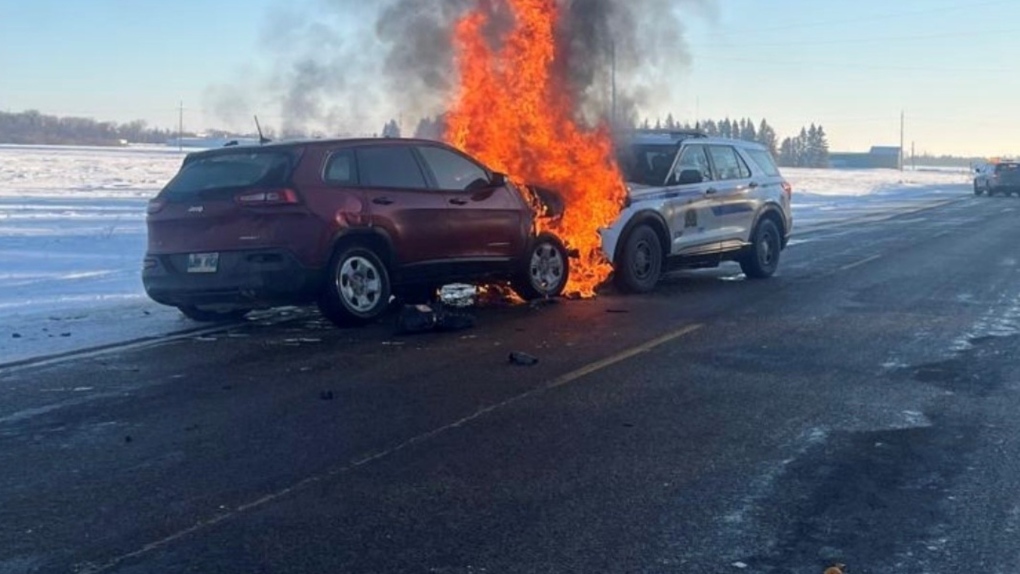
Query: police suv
{"type": "Point", "coordinates": [695, 202]}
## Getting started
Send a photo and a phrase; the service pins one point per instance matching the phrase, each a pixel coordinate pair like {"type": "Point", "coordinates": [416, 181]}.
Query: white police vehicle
{"type": "Point", "coordinates": [695, 202]}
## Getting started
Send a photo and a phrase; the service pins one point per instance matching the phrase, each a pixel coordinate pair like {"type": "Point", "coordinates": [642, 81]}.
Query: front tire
{"type": "Point", "coordinates": [640, 263]}
{"type": "Point", "coordinates": [546, 270]}
{"type": "Point", "coordinates": [977, 190]}
{"type": "Point", "coordinates": [762, 260]}
{"type": "Point", "coordinates": [358, 288]}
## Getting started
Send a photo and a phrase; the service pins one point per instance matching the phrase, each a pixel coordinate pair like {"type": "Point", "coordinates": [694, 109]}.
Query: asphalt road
{"type": "Point", "coordinates": [860, 408]}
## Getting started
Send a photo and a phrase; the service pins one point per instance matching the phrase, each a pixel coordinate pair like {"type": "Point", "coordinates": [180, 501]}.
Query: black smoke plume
{"type": "Point", "coordinates": [349, 66]}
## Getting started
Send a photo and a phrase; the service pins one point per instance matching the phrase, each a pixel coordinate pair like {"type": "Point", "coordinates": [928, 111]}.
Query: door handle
{"type": "Point", "coordinates": [711, 191]}
{"type": "Point", "coordinates": [459, 201]}
{"type": "Point", "coordinates": [382, 201]}
{"type": "Point", "coordinates": [753, 185]}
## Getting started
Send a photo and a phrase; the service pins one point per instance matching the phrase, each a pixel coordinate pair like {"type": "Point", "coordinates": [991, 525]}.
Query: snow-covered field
{"type": "Point", "coordinates": [825, 196]}
{"type": "Point", "coordinates": [72, 237]}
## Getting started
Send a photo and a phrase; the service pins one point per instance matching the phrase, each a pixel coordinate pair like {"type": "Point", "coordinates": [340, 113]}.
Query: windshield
{"type": "Point", "coordinates": [646, 164]}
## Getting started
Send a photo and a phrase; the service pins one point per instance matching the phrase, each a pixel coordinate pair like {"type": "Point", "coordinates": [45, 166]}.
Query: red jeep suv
{"type": "Point", "coordinates": [346, 224]}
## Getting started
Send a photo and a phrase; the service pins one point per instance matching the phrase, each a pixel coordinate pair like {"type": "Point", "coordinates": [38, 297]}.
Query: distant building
{"type": "Point", "coordinates": [879, 157]}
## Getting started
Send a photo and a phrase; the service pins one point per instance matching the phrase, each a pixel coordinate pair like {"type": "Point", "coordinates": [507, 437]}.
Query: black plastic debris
{"type": "Point", "coordinates": [540, 303]}
{"type": "Point", "coordinates": [326, 395]}
{"type": "Point", "coordinates": [523, 359]}
{"type": "Point", "coordinates": [15, 335]}
{"type": "Point", "coordinates": [128, 439]}
{"type": "Point", "coordinates": [450, 320]}
{"type": "Point", "coordinates": [425, 318]}
{"type": "Point", "coordinates": [417, 319]}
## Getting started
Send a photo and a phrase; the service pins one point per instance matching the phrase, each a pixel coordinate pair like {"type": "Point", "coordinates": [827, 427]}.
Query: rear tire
{"type": "Point", "coordinates": [357, 289]}
{"type": "Point", "coordinates": [641, 261]}
{"type": "Point", "coordinates": [762, 260]}
{"type": "Point", "coordinates": [546, 269]}
{"type": "Point", "coordinates": [204, 316]}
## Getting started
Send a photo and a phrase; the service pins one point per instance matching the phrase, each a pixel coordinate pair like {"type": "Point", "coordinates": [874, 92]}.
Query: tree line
{"type": "Point", "coordinates": [34, 128]}
{"type": "Point", "coordinates": [810, 148]}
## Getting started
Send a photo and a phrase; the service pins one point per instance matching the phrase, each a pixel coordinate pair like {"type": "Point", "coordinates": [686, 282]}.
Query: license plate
{"type": "Point", "coordinates": [203, 262]}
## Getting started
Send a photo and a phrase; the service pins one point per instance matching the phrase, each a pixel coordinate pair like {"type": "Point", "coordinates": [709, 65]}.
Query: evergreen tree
{"type": "Point", "coordinates": [391, 130]}
{"type": "Point", "coordinates": [747, 131]}
{"type": "Point", "coordinates": [768, 138]}
{"type": "Point", "coordinates": [788, 153]}
{"type": "Point", "coordinates": [670, 122]}
{"type": "Point", "coordinates": [801, 148]}
{"type": "Point", "coordinates": [821, 146]}
{"type": "Point", "coordinates": [810, 153]}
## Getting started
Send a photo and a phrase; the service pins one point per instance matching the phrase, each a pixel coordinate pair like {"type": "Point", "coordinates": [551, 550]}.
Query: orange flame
{"type": "Point", "coordinates": [515, 114]}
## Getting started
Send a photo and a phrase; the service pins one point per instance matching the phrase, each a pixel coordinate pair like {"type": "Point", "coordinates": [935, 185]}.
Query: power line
{"type": "Point", "coordinates": [970, 34]}
{"type": "Point", "coordinates": [932, 10]}
{"type": "Point", "coordinates": [835, 64]}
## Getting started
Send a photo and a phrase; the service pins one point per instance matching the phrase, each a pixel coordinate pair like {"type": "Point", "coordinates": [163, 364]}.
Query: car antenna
{"type": "Point", "coordinates": [262, 139]}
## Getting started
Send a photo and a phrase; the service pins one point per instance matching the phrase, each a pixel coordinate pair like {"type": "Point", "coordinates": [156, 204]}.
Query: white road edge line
{"type": "Point", "coordinates": [560, 381]}
{"type": "Point", "coordinates": [860, 263]}
{"type": "Point", "coordinates": [144, 343]}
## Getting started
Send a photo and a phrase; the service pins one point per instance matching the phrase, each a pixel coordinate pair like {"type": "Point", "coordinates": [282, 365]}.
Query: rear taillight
{"type": "Point", "coordinates": [268, 197]}
{"type": "Point", "coordinates": [155, 206]}
{"type": "Point", "coordinates": [787, 189]}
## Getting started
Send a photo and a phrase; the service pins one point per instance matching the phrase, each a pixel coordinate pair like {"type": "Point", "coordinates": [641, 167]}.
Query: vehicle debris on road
{"type": "Point", "coordinates": [458, 295]}
{"type": "Point", "coordinates": [415, 319]}
{"type": "Point", "coordinates": [523, 359]}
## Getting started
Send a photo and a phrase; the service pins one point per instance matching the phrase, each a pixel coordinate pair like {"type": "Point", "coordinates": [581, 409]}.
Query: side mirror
{"type": "Point", "coordinates": [689, 176]}
{"type": "Point", "coordinates": [498, 179]}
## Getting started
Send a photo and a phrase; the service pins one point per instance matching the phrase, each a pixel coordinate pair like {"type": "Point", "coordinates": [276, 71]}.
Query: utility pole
{"type": "Point", "coordinates": [903, 119]}
{"type": "Point", "coordinates": [913, 158]}
{"type": "Point", "coordinates": [180, 127]}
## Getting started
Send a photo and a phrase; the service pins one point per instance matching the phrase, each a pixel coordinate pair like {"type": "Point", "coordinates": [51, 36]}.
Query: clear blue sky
{"type": "Point", "coordinates": [852, 65]}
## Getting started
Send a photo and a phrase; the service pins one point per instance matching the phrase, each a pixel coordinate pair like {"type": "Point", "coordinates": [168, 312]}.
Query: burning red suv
{"type": "Point", "coordinates": [345, 224]}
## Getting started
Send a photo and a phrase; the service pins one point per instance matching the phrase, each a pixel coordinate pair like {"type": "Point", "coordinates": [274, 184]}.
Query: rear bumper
{"type": "Point", "coordinates": [1005, 188]}
{"type": "Point", "coordinates": [252, 278]}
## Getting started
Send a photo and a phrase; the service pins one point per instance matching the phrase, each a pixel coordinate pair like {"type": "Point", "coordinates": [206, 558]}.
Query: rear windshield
{"type": "Point", "coordinates": [646, 164]}
{"type": "Point", "coordinates": [764, 161]}
{"type": "Point", "coordinates": [230, 172]}
{"type": "Point", "coordinates": [1007, 167]}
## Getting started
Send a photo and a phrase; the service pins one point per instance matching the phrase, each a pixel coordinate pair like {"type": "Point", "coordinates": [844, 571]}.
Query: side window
{"type": "Point", "coordinates": [728, 165]}
{"type": "Point", "coordinates": [693, 157]}
{"type": "Point", "coordinates": [392, 166]}
{"type": "Point", "coordinates": [453, 171]}
{"type": "Point", "coordinates": [764, 161]}
{"type": "Point", "coordinates": [341, 169]}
